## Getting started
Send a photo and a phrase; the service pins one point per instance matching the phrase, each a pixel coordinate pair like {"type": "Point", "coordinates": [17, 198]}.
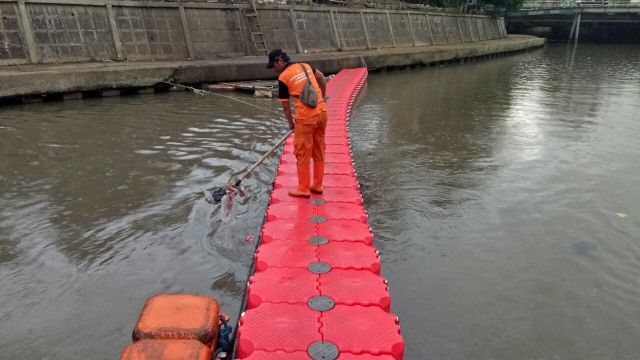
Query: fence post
{"type": "Point", "coordinates": [393, 41]}
{"type": "Point", "coordinates": [114, 32]}
{"type": "Point", "coordinates": [335, 29]}
{"type": "Point", "coordinates": [241, 29]}
{"type": "Point", "coordinates": [413, 38]}
{"type": "Point", "coordinates": [185, 30]}
{"type": "Point", "coordinates": [429, 27]}
{"type": "Point", "coordinates": [460, 29]}
{"type": "Point", "coordinates": [364, 27]}
{"type": "Point", "coordinates": [486, 31]}
{"type": "Point", "coordinates": [446, 32]}
{"type": "Point", "coordinates": [28, 34]}
{"type": "Point", "coordinates": [292, 16]}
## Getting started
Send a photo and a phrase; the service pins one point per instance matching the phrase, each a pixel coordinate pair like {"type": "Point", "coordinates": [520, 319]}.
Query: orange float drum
{"type": "Point", "coordinates": [166, 350]}
{"type": "Point", "coordinates": [179, 317]}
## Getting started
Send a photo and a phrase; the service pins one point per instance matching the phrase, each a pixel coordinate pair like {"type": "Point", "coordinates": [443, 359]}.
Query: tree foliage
{"type": "Point", "coordinates": [507, 5]}
{"type": "Point", "coordinates": [473, 5]}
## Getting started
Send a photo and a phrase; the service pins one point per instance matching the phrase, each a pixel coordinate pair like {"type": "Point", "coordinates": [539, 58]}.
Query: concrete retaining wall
{"type": "Point", "coordinates": [60, 31]}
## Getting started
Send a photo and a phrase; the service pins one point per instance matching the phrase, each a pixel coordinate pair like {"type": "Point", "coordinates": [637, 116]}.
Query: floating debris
{"type": "Point", "coordinates": [260, 88]}
{"type": "Point", "coordinates": [584, 248]}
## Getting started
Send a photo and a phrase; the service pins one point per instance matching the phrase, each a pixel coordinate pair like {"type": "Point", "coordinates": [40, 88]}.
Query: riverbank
{"type": "Point", "coordinates": [68, 81]}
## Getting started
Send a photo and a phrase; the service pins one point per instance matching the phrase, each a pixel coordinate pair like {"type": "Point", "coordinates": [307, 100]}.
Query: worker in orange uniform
{"type": "Point", "coordinates": [310, 122]}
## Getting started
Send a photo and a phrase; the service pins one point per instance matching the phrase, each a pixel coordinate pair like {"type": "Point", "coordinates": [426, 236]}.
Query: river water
{"type": "Point", "coordinates": [502, 195]}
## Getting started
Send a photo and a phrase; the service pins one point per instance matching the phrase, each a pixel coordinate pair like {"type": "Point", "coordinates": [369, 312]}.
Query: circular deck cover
{"type": "Point", "coordinates": [323, 350]}
{"type": "Point", "coordinates": [321, 303]}
{"type": "Point", "coordinates": [319, 267]}
{"type": "Point", "coordinates": [318, 240]}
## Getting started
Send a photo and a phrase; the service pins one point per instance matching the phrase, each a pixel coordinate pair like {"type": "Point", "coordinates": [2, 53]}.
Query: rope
{"type": "Point", "coordinates": [202, 92]}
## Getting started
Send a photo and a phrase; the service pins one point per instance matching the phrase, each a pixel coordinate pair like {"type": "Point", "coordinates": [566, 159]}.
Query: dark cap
{"type": "Point", "coordinates": [276, 54]}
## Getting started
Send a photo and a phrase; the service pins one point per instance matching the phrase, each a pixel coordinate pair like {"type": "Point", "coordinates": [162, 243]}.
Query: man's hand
{"type": "Point", "coordinates": [286, 107]}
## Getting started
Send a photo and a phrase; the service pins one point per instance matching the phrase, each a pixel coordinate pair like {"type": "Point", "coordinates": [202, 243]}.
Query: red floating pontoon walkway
{"type": "Point", "coordinates": [317, 292]}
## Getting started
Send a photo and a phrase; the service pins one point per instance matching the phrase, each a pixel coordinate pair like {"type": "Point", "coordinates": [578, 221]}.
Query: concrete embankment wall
{"type": "Point", "coordinates": [63, 31]}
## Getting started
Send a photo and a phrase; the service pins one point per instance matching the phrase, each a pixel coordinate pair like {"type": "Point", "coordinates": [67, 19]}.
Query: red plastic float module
{"type": "Point", "coordinates": [343, 211]}
{"type": "Point", "coordinates": [350, 255]}
{"type": "Point", "coordinates": [340, 194]}
{"type": "Point", "coordinates": [282, 285]}
{"type": "Point", "coordinates": [355, 287]}
{"type": "Point", "coordinates": [329, 181]}
{"type": "Point", "coordinates": [346, 230]}
{"type": "Point", "coordinates": [333, 194]}
{"type": "Point", "coordinates": [280, 355]}
{"type": "Point", "coordinates": [288, 229]}
{"type": "Point", "coordinates": [285, 254]}
{"type": "Point", "coordinates": [329, 168]}
{"type": "Point", "coordinates": [362, 329]}
{"type": "Point", "coordinates": [328, 158]}
{"type": "Point", "coordinates": [317, 285]}
{"type": "Point", "coordinates": [289, 210]}
{"type": "Point", "coordinates": [273, 327]}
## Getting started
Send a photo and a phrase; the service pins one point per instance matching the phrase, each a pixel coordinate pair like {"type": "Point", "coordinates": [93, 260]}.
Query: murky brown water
{"type": "Point", "coordinates": [504, 199]}
{"type": "Point", "coordinates": [102, 207]}
{"type": "Point", "coordinates": [503, 196]}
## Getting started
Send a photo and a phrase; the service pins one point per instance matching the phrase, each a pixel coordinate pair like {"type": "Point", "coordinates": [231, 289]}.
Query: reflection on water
{"type": "Point", "coordinates": [502, 196]}
{"type": "Point", "coordinates": [102, 207]}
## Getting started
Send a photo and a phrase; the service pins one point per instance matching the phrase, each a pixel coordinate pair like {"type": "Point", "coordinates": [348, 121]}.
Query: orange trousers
{"type": "Point", "coordinates": [308, 140]}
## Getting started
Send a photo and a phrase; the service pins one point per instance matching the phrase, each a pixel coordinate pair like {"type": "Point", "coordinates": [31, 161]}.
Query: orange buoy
{"type": "Point", "coordinates": [180, 317]}
{"type": "Point", "coordinates": [166, 350]}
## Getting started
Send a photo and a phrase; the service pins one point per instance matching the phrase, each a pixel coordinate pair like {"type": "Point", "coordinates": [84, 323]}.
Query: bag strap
{"type": "Point", "coordinates": [305, 71]}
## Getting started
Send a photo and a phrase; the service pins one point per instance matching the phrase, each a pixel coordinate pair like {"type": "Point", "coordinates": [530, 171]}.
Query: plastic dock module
{"type": "Point", "coordinates": [317, 292]}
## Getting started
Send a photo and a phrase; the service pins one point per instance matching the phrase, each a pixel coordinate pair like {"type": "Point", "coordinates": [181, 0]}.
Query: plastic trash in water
{"type": "Point", "coordinates": [226, 206]}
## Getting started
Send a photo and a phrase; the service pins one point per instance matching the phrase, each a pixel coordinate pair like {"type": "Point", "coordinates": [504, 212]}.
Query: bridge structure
{"type": "Point", "coordinates": [601, 20]}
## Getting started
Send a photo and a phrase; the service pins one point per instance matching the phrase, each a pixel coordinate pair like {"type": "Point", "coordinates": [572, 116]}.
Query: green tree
{"type": "Point", "coordinates": [507, 5]}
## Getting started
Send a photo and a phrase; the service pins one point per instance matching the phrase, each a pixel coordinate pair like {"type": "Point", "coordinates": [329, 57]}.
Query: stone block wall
{"type": "Point", "coordinates": [402, 35]}
{"type": "Point", "coordinates": [57, 31]}
{"type": "Point", "coordinates": [150, 33]}
{"type": "Point", "coordinates": [71, 32]}
{"type": "Point", "coordinates": [315, 30]}
{"type": "Point", "coordinates": [379, 29]}
{"type": "Point", "coordinates": [351, 31]}
{"type": "Point", "coordinates": [217, 33]}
